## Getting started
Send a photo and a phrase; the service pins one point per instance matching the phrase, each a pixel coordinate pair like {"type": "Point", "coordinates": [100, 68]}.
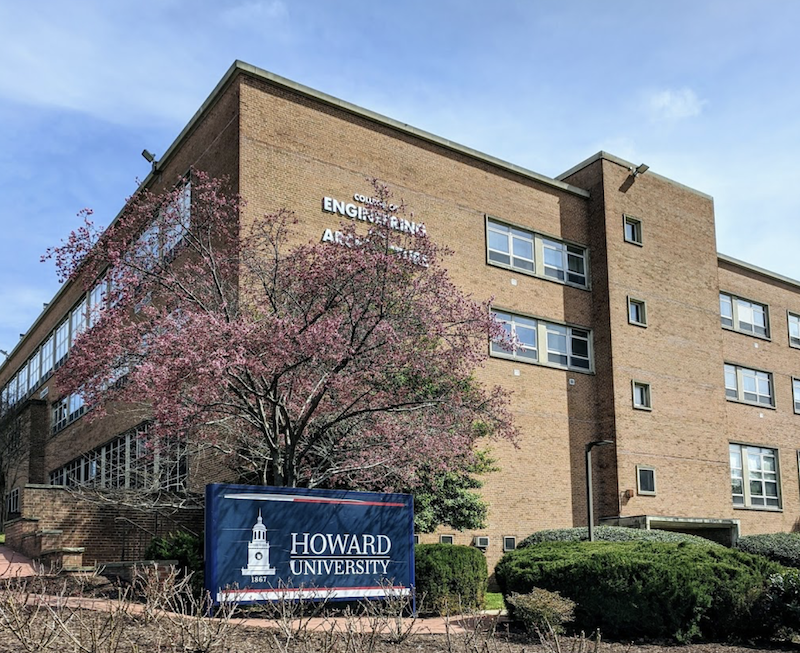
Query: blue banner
{"type": "Point", "coordinates": [271, 543]}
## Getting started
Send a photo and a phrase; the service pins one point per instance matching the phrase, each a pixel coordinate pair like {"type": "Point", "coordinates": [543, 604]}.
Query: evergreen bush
{"type": "Point", "coordinates": [611, 534]}
{"type": "Point", "coordinates": [679, 591]}
{"type": "Point", "coordinates": [783, 548]}
{"type": "Point", "coordinates": [449, 578]}
{"type": "Point", "coordinates": [184, 547]}
{"type": "Point", "coordinates": [540, 610]}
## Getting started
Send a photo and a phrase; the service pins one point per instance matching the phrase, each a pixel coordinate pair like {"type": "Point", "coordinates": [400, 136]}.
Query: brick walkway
{"type": "Point", "coordinates": [14, 565]}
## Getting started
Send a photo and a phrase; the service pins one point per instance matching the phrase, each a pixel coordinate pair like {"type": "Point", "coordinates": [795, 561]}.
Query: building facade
{"type": "Point", "coordinates": [631, 327]}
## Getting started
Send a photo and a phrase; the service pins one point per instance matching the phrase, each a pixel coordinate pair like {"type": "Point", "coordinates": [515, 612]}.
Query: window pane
{"type": "Point", "coordinates": [498, 241]}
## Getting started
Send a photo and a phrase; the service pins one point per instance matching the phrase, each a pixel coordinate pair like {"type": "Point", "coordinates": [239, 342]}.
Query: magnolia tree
{"type": "Point", "coordinates": [335, 364]}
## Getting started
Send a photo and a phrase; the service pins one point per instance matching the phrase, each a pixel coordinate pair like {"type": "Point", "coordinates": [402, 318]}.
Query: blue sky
{"type": "Point", "coordinates": [705, 92]}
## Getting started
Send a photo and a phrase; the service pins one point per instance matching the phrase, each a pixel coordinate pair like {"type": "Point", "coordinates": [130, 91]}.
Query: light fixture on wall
{"type": "Point", "coordinates": [639, 170]}
{"type": "Point", "coordinates": [150, 158]}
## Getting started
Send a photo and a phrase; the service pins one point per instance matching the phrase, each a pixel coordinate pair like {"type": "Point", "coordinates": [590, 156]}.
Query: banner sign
{"type": "Point", "coordinates": [271, 543]}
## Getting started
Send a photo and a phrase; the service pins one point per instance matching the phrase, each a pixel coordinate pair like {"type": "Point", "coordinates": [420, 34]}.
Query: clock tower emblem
{"type": "Point", "coordinates": [258, 552]}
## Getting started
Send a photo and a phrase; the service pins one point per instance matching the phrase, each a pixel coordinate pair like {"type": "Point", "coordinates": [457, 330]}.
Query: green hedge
{"type": "Point", "coordinates": [611, 534]}
{"type": "Point", "coordinates": [647, 589]}
{"type": "Point", "coordinates": [184, 547]}
{"type": "Point", "coordinates": [783, 548]}
{"type": "Point", "coordinates": [449, 578]}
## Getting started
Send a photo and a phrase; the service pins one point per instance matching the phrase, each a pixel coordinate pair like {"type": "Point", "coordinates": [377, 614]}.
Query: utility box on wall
{"type": "Point", "coordinates": [269, 543]}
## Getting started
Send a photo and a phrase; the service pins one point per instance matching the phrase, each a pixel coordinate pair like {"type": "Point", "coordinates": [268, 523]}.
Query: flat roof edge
{"type": "Point", "coordinates": [397, 125]}
{"type": "Point", "coordinates": [627, 164]}
{"type": "Point", "coordinates": [754, 268]}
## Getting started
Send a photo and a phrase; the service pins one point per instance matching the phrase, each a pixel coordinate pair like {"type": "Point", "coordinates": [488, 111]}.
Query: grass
{"type": "Point", "coordinates": [494, 601]}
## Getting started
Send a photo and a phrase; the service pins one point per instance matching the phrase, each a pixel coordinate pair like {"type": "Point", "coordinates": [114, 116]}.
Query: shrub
{"type": "Point", "coordinates": [646, 589]}
{"type": "Point", "coordinates": [781, 604]}
{"type": "Point", "coordinates": [611, 534]}
{"type": "Point", "coordinates": [449, 577]}
{"type": "Point", "coordinates": [184, 547]}
{"type": "Point", "coordinates": [783, 548]}
{"type": "Point", "coordinates": [540, 609]}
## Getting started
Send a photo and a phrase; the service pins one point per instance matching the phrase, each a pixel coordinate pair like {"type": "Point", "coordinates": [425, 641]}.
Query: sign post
{"type": "Point", "coordinates": [268, 543]}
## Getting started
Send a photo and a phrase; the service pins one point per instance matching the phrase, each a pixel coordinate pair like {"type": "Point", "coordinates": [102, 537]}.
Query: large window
{"type": "Point", "coordinates": [754, 477]}
{"type": "Point", "coordinates": [127, 462]}
{"type": "Point", "coordinates": [749, 386]}
{"type": "Point", "coordinates": [535, 254]}
{"type": "Point", "coordinates": [547, 343]}
{"type": "Point", "coordinates": [743, 315]}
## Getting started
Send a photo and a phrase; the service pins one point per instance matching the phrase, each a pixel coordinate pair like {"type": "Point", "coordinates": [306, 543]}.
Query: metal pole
{"type": "Point", "coordinates": [589, 501]}
{"type": "Point", "coordinates": [589, 498]}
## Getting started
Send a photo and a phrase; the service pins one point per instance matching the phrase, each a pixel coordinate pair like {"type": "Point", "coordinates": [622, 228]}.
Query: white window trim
{"type": "Point", "coordinates": [789, 316]}
{"type": "Point", "coordinates": [538, 240]}
{"type": "Point", "coordinates": [740, 392]}
{"type": "Point", "coordinates": [735, 326]}
{"type": "Point", "coordinates": [746, 496]}
{"type": "Point", "coordinates": [796, 394]}
{"type": "Point", "coordinates": [447, 539]}
{"type": "Point", "coordinates": [648, 395]}
{"type": "Point", "coordinates": [542, 349]}
{"type": "Point", "coordinates": [643, 304]}
{"type": "Point", "coordinates": [629, 219]}
{"type": "Point", "coordinates": [513, 540]}
{"type": "Point", "coordinates": [639, 490]}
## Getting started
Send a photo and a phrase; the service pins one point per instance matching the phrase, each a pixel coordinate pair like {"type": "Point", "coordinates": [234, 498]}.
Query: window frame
{"type": "Point", "coordinates": [745, 450]}
{"type": "Point", "coordinates": [741, 392]}
{"type": "Point", "coordinates": [796, 316]}
{"type": "Point", "coordinates": [736, 321]}
{"type": "Point", "coordinates": [512, 539]}
{"type": "Point", "coordinates": [574, 335]}
{"type": "Point", "coordinates": [639, 489]}
{"type": "Point", "coordinates": [796, 394]}
{"type": "Point", "coordinates": [636, 227]}
{"type": "Point", "coordinates": [539, 242]}
{"type": "Point", "coordinates": [648, 396]}
{"type": "Point", "coordinates": [642, 304]}
{"type": "Point", "coordinates": [447, 539]}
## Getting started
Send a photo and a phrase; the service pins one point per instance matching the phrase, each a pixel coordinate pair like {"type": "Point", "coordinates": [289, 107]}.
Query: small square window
{"type": "Point", "coordinates": [509, 543]}
{"type": "Point", "coordinates": [646, 480]}
{"type": "Point", "coordinates": [641, 395]}
{"type": "Point", "coordinates": [446, 539]}
{"type": "Point", "coordinates": [633, 230]}
{"type": "Point", "coordinates": [416, 538]}
{"type": "Point", "coordinates": [637, 312]}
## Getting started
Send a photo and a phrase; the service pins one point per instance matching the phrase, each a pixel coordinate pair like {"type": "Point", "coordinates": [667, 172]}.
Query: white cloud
{"type": "Point", "coordinates": [254, 14]}
{"type": "Point", "coordinates": [674, 104]}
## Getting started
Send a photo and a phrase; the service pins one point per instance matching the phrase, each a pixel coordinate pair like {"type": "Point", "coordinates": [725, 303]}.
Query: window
{"type": "Point", "coordinates": [446, 539]}
{"type": "Point", "coordinates": [564, 262]}
{"type": "Point", "coordinates": [416, 538]}
{"type": "Point", "coordinates": [561, 346]}
{"type": "Point", "coordinates": [646, 480]}
{"type": "Point", "coordinates": [633, 229]}
{"type": "Point", "coordinates": [60, 414]}
{"type": "Point", "coordinates": [509, 543]}
{"type": "Point", "coordinates": [754, 477]}
{"type": "Point", "coordinates": [521, 331]}
{"type": "Point", "coordinates": [743, 315]}
{"type": "Point", "coordinates": [62, 342]}
{"type": "Point", "coordinates": [794, 330]}
{"type": "Point", "coordinates": [749, 386]}
{"type": "Point", "coordinates": [641, 395]}
{"type": "Point", "coordinates": [637, 312]}
{"type": "Point", "coordinates": [12, 501]}
{"type": "Point", "coordinates": [34, 370]}
{"type": "Point", "coordinates": [127, 462]}
{"type": "Point", "coordinates": [48, 355]}
{"type": "Point", "coordinates": [796, 394]}
{"type": "Point", "coordinates": [535, 254]}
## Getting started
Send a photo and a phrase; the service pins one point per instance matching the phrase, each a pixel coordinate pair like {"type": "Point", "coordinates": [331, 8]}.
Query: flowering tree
{"type": "Point", "coordinates": [334, 364]}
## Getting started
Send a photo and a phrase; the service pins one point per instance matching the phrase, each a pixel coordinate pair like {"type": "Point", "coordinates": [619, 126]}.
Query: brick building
{"type": "Point", "coordinates": [633, 328]}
